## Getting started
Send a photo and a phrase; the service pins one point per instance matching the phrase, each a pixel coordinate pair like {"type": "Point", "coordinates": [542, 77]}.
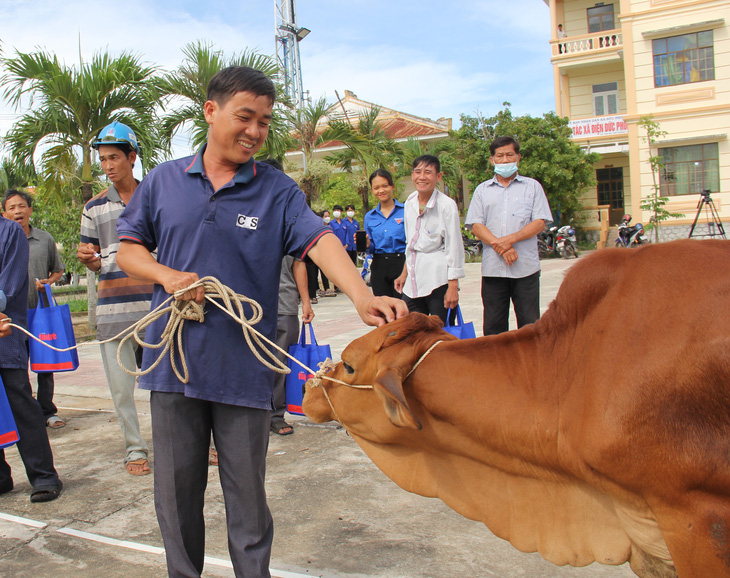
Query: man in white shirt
{"type": "Point", "coordinates": [434, 247]}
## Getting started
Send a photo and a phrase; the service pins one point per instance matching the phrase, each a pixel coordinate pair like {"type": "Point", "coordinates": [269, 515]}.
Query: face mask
{"type": "Point", "coordinates": [337, 214]}
{"type": "Point", "coordinates": [351, 214]}
{"type": "Point", "coordinates": [326, 220]}
{"type": "Point", "coordinates": [506, 169]}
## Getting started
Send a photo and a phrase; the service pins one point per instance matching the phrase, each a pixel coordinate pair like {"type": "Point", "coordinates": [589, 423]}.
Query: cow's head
{"type": "Point", "coordinates": [382, 359]}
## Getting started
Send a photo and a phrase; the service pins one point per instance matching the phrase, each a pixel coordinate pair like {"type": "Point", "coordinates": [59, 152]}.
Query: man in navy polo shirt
{"type": "Point", "coordinates": [221, 213]}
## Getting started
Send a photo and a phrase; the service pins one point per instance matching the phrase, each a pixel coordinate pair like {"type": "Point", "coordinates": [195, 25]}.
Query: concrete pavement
{"type": "Point", "coordinates": [335, 513]}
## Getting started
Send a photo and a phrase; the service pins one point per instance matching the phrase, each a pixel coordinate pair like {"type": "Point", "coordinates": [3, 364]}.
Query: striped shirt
{"type": "Point", "coordinates": [122, 301]}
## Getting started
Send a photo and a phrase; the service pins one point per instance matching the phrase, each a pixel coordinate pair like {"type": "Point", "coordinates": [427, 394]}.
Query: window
{"type": "Point", "coordinates": [605, 98]}
{"type": "Point", "coordinates": [600, 18]}
{"type": "Point", "coordinates": [683, 59]}
{"type": "Point", "coordinates": [690, 170]}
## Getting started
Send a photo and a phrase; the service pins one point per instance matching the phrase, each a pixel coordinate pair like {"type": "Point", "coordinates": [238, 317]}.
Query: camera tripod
{"type": "Point", "coordinates": [714, 226]}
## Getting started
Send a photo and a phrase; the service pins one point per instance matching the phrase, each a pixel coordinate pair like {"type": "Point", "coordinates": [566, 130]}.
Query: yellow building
{"type": "Point", "coordinates": [615, 62]}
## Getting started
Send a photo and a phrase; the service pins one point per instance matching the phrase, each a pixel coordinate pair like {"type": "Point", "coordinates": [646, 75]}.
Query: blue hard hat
{"type": "Point", "coordinates": [117, 133]}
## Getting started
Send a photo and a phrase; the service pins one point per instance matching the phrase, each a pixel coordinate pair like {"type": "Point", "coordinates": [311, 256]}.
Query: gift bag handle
{"type": "Point", "coordinates": [459, 318]}
{"type": "Point", "coordinates": [50, 299]}
{"type": "Point", "coordinates": [303, 337]}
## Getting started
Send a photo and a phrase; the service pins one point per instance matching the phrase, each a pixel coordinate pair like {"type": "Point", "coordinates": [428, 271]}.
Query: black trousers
{"type": "Point", "coordinates": [432, 304]}
{"type": "Point", "coordinates": [34, 448]}
{"type": "Point", "coordinates": [384, 270]}
{"type": "Point", "coordinates": [497, 292]}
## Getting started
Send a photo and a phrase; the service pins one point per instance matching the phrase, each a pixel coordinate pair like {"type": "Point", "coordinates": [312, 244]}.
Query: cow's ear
{"type": "Point", "coordinates": [388, 385]}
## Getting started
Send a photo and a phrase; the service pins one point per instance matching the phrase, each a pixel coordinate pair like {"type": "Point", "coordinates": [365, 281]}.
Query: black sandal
{"type": "Point", "coordinates": [280, 424]}
{"type": "Point", "coordinates": [46, 494]}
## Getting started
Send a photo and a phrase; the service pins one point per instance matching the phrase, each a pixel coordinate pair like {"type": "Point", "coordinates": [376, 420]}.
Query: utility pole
{"type": "Point", "coordinates": [288, 35]}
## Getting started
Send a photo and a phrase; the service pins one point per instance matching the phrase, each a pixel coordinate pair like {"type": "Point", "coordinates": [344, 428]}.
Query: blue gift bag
{"type": "Point", "coordinates": [310, 354]}
{"type": "Point", "coordinates": [461, 330]}
{"type": "Point", "coordinates": [8, 431]}
{"type": "Point", "coordinates": [51, 323]}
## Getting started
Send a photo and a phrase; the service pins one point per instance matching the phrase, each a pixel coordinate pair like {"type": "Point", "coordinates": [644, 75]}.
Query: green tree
{"type": "Point", "coordinates": [311, 129]}
{"type": "Point", "coordinates": [68, 106]}
{"type": "Point", "coordinates": [548, 155]}
{"type": "Point", "coordinates": [366, 148]}
{"type": "Point", "coordinates": [185, 91]}
{"type": "Point", "coordinates": [655, 203]}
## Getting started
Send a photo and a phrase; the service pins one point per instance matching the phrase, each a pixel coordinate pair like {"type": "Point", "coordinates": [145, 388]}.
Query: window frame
{"type": "Point", "coordinates": [598, 91]}
{"type": "Point", "coordinates": [705, 161]}
{"type": "Point", "coordinates": [673, 67]}
{"type": "Point", "coordinates": [599, 10]}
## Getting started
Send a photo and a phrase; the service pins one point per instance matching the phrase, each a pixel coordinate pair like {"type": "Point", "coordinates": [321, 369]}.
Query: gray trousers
{"type": "Point", "coordinates": [121, 386]}
{"type": "Point", "coordinates": [181, 429]}
{"type": "Point", "coordinates": [287, 334]}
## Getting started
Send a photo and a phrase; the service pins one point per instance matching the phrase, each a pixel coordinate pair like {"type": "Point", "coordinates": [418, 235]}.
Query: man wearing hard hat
{"type": "Point", "coordinates": [122, 301]}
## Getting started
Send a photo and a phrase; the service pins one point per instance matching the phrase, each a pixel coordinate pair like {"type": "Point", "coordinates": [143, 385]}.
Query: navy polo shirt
{"type": "Point", "coordinates": [387, 235]}
{"type": "Point", "coordinates": [238, 234]}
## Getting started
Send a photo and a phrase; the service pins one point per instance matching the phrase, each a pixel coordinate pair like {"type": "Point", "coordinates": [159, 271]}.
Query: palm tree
{"type": "Point", "coordinates": [69, 106]}
{"type": "Point", "coordinates": [310, 130]}
{"type": "Point", "coordinates": [367, 148]}
{"type": "Point", "coordinates": [185, 92]}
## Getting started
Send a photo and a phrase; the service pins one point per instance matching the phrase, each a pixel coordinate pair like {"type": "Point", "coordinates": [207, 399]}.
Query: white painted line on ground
{"type": "Point", "coordinates": [135, 545]}
{"type": "Point", "coordinates": [111, 541]}
{"type": "Point", "coordinates": [86, 409]}
{"type": "Point", "coordinates": [24, 521]}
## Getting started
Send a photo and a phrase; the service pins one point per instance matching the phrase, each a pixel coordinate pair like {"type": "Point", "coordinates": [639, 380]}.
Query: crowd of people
{"type": "Point", "coordinates": [221, 213]}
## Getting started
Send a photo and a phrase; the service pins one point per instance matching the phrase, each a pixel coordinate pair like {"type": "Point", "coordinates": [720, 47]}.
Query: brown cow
{"type": "Point", "coordinates": [600, 433]}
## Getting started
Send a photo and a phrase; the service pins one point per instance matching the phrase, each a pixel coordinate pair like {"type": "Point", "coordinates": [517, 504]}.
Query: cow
{"type": "Point", "coordinates": [599, 433]}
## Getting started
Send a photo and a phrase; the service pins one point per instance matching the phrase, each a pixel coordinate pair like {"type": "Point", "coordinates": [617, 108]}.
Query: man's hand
{"type": "Point", "coordinates": [89, 256]}
{"type": "Point", "coordinates": [5, 328]}
{"type": "Point", "coordinates": [177, 280]}
{"type": "Point", "coordinates": [451, 299]}
{"type": "Point", "coordinates": [510, 256]}
{"type": "Point", "coordinates": [502, 244]}
{"type": "Point", "coordinates": [400, 282]}
{"type": "Point", "coordinates": [39, 283]}
{"type": "Point", "coordinates": [307, 312]}
{"type": "Point", "coordinates": [378, 311]}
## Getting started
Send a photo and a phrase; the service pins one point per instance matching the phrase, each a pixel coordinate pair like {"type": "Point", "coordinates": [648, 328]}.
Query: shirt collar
{"type": "Point", "coordinates": [494, 181]}
{"type": "Point", "coordinates": [112, 194]}
{"type": "Point", "coordinates": [397, 204]}
{"type": "Point", "coordinates": [31, 232]}
{"type": "Point", "coordinates": [244, 175]}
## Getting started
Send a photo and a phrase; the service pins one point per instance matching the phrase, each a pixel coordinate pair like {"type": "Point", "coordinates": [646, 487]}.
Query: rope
{"type": "Point", "coordinates": [171, 343]}
{"type": "Point", "coordinates": [232, 304]}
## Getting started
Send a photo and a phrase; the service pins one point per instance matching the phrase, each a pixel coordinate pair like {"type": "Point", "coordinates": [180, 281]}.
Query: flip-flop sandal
{"type": "Point", "coordinates": [139, 462]}
{"type": "Point", "coordinates": [55, 422]}
{"type": "Point", "coordinates": [46, 494]}
{"type": "Point", "coordinates": [278, 426]}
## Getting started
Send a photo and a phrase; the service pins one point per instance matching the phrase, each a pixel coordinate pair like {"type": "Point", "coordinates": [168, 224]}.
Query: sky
{"type": "Point", "coordinates": [427, 58]}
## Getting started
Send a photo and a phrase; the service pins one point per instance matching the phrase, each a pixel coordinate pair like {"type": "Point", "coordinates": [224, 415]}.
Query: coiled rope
{"type": "Point", "coordinates": [232, 304]}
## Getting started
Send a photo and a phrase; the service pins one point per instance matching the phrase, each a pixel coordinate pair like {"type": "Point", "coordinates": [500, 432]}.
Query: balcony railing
{"type": "Point", "coordinates": [588, 43]}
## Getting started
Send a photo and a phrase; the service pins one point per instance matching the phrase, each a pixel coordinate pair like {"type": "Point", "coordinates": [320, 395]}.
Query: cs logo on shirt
{"type": "Point", "coordinates": [247, 222]}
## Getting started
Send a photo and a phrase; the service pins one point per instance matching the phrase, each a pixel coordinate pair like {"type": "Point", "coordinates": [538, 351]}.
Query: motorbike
{"type": "Point", "coordinates": [630, 236]}
{"type": "Point", "coordinates": [566, 244]}
{"type": "Point", "coordinates": [472, 246]}
{"type": "Point", "coordinates": [546, 242]}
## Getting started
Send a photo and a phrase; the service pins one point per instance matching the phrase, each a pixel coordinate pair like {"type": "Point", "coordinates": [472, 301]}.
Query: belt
{"type": "Point", "coordinates": [389, 255]}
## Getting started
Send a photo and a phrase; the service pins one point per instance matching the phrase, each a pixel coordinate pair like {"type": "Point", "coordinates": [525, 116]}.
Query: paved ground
{"type": "Point", "coordinates": [336, 514]}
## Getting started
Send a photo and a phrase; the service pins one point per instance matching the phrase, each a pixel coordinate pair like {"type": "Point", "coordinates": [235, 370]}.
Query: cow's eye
{"type": "Point", "coordinates": [348, 368]}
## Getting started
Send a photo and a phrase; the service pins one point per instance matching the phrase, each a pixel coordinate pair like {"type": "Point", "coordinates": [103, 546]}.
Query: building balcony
{"type": "Point", "coordinates": [587, 49]}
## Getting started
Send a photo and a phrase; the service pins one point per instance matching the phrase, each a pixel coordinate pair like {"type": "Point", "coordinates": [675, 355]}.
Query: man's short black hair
{"type": "Point", "coordinates": [503, 141]}
{"type": "Point", "coordinates": [348, 207]}
{"type": "Point", "coordinates": [235, 79]}
{"type": "Point", "coordinates": [429, 161]}
{"type": "Point", "coordinates": [13, 193]}
{"type": "Point", "coordinates": [337, 208]}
